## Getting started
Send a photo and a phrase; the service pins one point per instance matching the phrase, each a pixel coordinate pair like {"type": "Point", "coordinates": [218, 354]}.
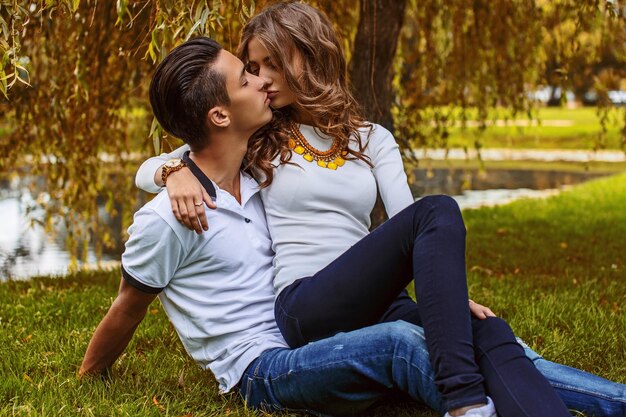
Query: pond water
{"type": "Point", "coordinates": [26, 250]}
{"type": "Point", "coordinates": [472, 188]}
{"type": "Point", "coordinates": [475, 188]}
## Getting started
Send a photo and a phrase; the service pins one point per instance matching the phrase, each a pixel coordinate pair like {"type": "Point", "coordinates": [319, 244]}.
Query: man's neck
{"type": "Point", "coordinates": [221, 162]}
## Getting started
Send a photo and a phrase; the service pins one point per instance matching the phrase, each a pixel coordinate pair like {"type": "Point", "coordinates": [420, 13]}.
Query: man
{"type": "Point", "coordinates": [216, 287]}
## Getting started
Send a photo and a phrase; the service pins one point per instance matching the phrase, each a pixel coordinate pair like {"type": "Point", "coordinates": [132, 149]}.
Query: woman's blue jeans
{"type": "Point", "coordinates": [347, 373]}
{"type": "Point", "coordinates": [424, 243]}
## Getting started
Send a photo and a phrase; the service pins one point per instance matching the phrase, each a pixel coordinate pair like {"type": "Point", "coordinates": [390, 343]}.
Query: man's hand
{"type": "Point", "coordinates": [115, 330]}
{"type": "Point", "coordinates": [480, 311]}
{"type": "Point", "coordinates": [185, 193]}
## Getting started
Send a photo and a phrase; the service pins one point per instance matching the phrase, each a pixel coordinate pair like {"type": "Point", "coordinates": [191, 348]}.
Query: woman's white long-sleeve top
{"type": "Point", "coordinates": [315, 214]}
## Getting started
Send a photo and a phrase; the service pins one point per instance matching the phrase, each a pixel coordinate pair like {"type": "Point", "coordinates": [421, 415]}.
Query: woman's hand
{"type": "Point", "coordinates": [480, 311]}
{"type": "Point", "coordinates": [185, 191]}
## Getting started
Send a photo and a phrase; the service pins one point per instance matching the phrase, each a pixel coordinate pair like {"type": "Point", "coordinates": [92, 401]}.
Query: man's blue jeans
{"type": "Point", "coordinates": [347, 373]}
{"type": "Point", "coordinates": [580, 390]}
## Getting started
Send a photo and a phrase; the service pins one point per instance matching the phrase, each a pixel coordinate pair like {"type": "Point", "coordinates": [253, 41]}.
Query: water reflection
{"type": "Point", "coordinates": [471, 199]}
{"type": "Point", "coordinates": [26, 250]}
{"type": "Point", "coordinates": [455, 182]}
{"type": "Point", "coordinates": [472, 188]}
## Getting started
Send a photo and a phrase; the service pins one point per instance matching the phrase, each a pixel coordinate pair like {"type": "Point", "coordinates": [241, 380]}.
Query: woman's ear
{"type": "Point", "coordinates": [219, 117]}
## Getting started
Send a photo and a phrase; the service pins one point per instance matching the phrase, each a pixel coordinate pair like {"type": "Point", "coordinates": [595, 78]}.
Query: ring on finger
{"type": "Point", "coordinates": [198, 204]}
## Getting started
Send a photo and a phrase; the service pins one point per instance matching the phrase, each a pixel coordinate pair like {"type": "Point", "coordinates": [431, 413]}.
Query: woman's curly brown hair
{"type": "Point", "coordinates": [288, 31]}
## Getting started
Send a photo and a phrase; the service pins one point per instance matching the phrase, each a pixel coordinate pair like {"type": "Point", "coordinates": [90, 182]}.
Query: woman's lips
{"type": "Point", "coordinates": [272, 94]}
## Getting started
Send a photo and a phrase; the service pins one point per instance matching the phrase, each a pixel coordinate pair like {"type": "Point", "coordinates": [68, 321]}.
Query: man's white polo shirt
{"type": "Point", "coordinates": [216, 287]}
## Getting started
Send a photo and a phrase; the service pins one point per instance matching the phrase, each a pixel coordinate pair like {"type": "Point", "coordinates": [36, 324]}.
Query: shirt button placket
{"type": "Point", "coordinates": [254, 239]}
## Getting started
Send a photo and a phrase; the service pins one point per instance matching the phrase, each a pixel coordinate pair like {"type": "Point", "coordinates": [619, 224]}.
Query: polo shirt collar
{"type": "Point", "coordinates": [248, 186]}
{"type": "Point", "coordinates": [204, 180]}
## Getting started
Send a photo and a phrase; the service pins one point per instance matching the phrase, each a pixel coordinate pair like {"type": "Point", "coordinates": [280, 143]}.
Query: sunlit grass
{"type": "Point", "coordinates": [578, 128]}
{"type": "Point", "coordinates": [553, 268]}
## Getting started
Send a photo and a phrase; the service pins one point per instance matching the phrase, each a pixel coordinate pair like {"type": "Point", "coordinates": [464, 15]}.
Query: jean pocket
{"type": "Point", "coordinates": [289, 326]}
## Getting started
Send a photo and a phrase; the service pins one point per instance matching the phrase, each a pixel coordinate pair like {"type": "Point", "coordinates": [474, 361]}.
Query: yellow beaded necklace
{"type": "Point", "coordinates": [331, 159]}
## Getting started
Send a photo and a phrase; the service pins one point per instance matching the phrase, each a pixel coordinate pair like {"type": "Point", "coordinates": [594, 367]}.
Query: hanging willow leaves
{"type": "Point", "coordinates": [461, 59]}
{"type": "Point", "coordinates": [74, 76]}
{"type": "Point", "coordinates": [80, 122]}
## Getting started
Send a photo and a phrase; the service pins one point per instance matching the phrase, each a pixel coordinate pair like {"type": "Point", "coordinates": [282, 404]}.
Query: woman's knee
{"type": "Point", "coordinates": [443, 209]}
{"type": "Point", "coordinates": [440, 202]}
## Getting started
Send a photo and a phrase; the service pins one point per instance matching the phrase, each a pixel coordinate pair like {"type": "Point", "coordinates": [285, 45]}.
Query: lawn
{"type": "Point", "coordinates": [561, 128]}
{"type": "Point", "coordinates": [553, 268]}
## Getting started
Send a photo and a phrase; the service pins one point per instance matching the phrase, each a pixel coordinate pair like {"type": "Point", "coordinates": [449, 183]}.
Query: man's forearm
{"type": "Point", "coordinates": [110, 339]}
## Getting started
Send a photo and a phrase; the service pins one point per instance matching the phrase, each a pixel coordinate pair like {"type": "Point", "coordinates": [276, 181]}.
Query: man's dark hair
{"type": "Point", "coordinates": [185, 87]}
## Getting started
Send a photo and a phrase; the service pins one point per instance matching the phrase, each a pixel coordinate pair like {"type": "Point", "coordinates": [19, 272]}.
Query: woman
{"type": "Point", "coordinates": [320, 166]}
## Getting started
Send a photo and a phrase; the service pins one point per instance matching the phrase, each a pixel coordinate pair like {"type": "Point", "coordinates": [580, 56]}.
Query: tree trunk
{"type": "Point", "coordinates": [371, 68]}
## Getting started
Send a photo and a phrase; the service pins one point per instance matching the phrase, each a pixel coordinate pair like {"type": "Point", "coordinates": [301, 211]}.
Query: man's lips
{"type": "Point", "coordinates": [267, 99]}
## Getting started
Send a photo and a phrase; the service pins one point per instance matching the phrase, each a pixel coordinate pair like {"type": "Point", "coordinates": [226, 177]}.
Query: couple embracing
{"type": "Point", "coordinates": [260, 254]}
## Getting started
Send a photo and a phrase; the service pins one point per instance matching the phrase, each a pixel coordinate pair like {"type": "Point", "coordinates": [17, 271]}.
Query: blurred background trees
{"type": "Point", "coordinates": [74, 76]}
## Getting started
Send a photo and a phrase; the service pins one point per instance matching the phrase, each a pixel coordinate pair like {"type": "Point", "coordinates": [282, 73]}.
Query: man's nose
{"type": "Point", "coordinates": [261, 82]}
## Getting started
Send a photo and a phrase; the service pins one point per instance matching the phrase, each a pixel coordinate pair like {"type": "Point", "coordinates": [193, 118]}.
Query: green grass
{"type": "Point", "coordinates": [46, 324]}
{"type": "Point", "coordinates": [553, 268]}
{"type": "Point", "coordinates": [583, 133]}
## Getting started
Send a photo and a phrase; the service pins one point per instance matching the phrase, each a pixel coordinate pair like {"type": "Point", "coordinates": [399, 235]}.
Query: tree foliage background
{"type": "Point", "coordinates": [74, 77]}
